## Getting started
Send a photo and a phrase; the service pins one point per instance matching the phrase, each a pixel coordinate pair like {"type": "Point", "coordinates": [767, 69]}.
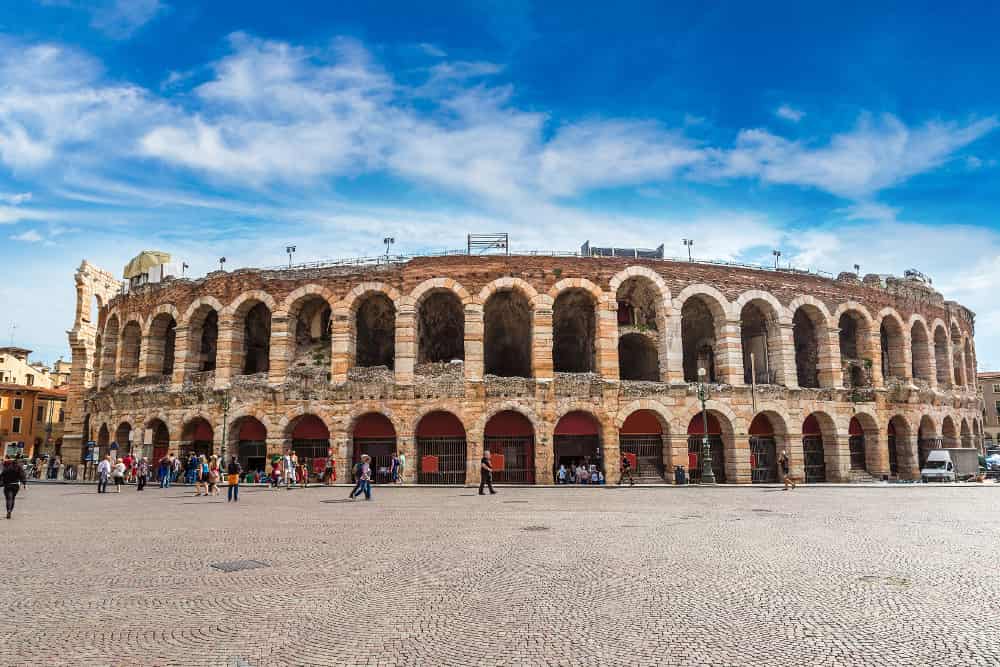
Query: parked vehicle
{"type": "Point", "coordinates": [949, 465]}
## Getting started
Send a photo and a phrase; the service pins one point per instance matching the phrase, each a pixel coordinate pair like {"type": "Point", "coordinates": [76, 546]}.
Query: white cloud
{"type": "Point", "coordinates": [870, 210]}
{"type": "Point", "coordinates": [118, 19]}
{"type": "Point", "coordinates": [790, 113]}
{"type": "Point", "coordinates": [16, 198]}
{"type": "Point", "coordinates": [432, 50]}
{"type": "Point", "coordinates": [29, 236]}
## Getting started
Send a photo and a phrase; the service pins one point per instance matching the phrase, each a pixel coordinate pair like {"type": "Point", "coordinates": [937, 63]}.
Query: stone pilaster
{"type": "Point", "coordinates": [675, 349]}
{"type": "Point", "coordinates": [228, 359]}
{"type": "Point", "coordinates": [282, 349]}
{"type": "Point", "coordinates": [406, 343]}
{"type": "Point", "coordinates": [607, 337]}
{"type": "Point", "coordinates": [185, 355]}
{"type": "Point", "coordinates": [831, 373]}
{"type": "Point", "coordinates": [729, 353]}
{"type": "Point", "coordinates": [541, 340]}
{"type": "Point", "coordinates": [342, 344]}
{"type": "Point", "coordinates": [474, 358]}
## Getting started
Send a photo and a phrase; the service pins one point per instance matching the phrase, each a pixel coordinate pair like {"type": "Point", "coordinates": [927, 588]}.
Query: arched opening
{"type": "Point", "coordinates": [897, 431]}
{"type": "Point", "coordinates": [761, 343]}
{"type": "Point", "coordinates": [441, 449]}
{"type": "Point", "coordinates": [574, 332]}
{"type": "Point", "coordinates": [251, 444]}
{"type": "Point", "coordinates": [159, 439]}
{"type": "Point", "coordinates": [941, 357]}
{"type": "Point", "coordinates": [956, 352]}
{"type": "Point", "coordinates": [893, 356]}
{"type": "Point", "coordinates": [103, 441]}
{"type": "Point", "coordinates": [507, 334]}
{"type": "Point", "coordinates": [123, 438]}
{"type": "Point", "coordinates": [806, 325]}
{"type": "Point", "coordinates": [375, 332]}
{"type": "Point", "coordinates": [970, 364]}
{"type": "Point", "coordinates": [161, 343]}
{"type": "Point", "coordinates": [375, 436]}
{"type": "Point", "coordinates": [700, 322]}
{"type": "Point", "coordinates": [697, 429]}
{"type": "Point", "coordinates": [109, 351]}
{"type": "Point", "coordinates": [510, 439]}
{"type": "Point", "coordinates": [255, 352]}
{"type": "Point", "coordinates": [197, 437]}
{"type": "Point", "coordinates": [949, 433]}
{"type": "Point", "coordinates": [927, 439]}
{"type": "Point", "coordinates": [131, 347]}
{"type": "Point", "coordinates": [98, 359]}
{"type": "Point", "coordinates": [966, 434]}
{"type": "Point", "coordinates": [920, 353]}
{"type": "Point", "coordinates": [311, 332]}
{"type": "Point", "coordinates": [813, 457]}
{"type": "Point", "coordinates": [641, 440]}
{"type": "Point", "coordinates": [576, 442]}
{"type": "Point", "coordinates": [638, 358]}
{"type": "Point", "coordinates": [441, 328]}
{"type": "Point", "coordinates": [94, 317]}
{"type": "Point", "coordinates": [204, 339]}
{"type": "Point", "coordinates": [856, 444]}
{"type": "Point", "coordinates": [763, 450]}
{"type": "Point", "coordinates": [855, 357]}
{"type": "Point", "coordinates": [310, 441]}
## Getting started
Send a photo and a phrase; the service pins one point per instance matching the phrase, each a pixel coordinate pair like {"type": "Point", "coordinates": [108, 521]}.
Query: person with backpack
{"type": "Point", "coordinates": [486, 473]}
{"type": "Point", "coordinates": [233, 472]}
{"type": "Point", "coordinates": [141, 473]}
{"type": "Point", "coordinates": [12, 477]}
{"type": "Point", "coordinates": [103, 474]}
{"type": "Point", "coordinates": [118, 473]}
{"type": "Point", "coordinates": [626, 472]}
{"type": "Point", "coordinates": [785, 475]}
{"type": "Point", "coordinates": [164, 472]}
{"type": "Point", "coordinates": [363, 473]}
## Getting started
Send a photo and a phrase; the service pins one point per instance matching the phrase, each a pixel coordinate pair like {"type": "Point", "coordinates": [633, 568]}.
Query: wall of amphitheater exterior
{"type": "Point", "coordinates": [925, 386]}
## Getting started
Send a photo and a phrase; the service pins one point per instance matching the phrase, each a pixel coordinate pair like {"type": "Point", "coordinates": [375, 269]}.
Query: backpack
{"type": "Point", "coordinates": [358, 469]}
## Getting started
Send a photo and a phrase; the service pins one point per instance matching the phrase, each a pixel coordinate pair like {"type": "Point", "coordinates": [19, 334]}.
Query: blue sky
{"type": "Point", "coordinates": [868, 134]}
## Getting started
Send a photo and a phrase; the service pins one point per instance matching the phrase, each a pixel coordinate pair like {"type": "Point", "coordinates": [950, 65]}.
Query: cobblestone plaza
{"type": "Point", "coordinates": [893, 575]}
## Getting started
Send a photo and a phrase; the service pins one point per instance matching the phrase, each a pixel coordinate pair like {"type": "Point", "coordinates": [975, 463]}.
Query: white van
{"type": "Point", "coordinates": [948, 465]}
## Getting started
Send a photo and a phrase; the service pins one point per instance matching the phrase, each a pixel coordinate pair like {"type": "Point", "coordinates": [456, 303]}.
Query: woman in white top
{"type": "Point", "coordinates": [118, 474]}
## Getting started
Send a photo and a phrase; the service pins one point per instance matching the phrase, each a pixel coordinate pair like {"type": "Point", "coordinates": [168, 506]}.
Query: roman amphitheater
{"type": "Point", "coordinates": [542, 359]}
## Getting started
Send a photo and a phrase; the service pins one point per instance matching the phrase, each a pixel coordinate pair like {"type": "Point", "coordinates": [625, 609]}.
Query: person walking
{"type": "Point", "coordinates": [402, 466]}
{"type": "Point", "coordinates": [626, 471]}
{"type": "Point", "coordinates": [12, 477]}
{"type": "Point", "coordinates": [233, 471]}
{"type": "Point", "coordinates": [394, 469]}
{"type": "Point", "coordinates": [364, 478]}
{"type": "Point", "coordinates": [486, 473]}
{"type": "Point", "coordinates": [214, 475]}
{"type": "Point", "coordinates": [141, 474]}
{"type": "Point", "coordinates": [118, 473]}
{"type": "Point", "coordinates": [103, 473]}
{"type": "Point", "coordinates": [288, 468]}
{"type": "Point", "coordinates": [164, 472]}
{"type": "Point", "coordinates": [785, 476]}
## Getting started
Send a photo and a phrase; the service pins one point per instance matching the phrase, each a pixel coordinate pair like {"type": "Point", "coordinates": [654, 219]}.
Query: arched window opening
{"type": "Point", "coordinates": [131, 348]}
{"type": "Point", "coordinates": [312, 333]}
{"type": "Point", "coordinates": [103, 442]}
{"type": "Point", "coordinates": [510, 439]}
{"type": "Point", "coordinates": [441, 449]}
{"type": "Point", "coordinates": [698, 339]}
{"type": "Point", "coordinates": [576, 444]}
{"type": "Point", "coordinates": [927, 439]}
{"type": "Point", "coordinates": [638, 358]}
{"type": "Point", "coordinates": [696, 432]}
{"type": "Point", "coordinates": [310, 442]}
{"type": "Point", "coordinates": [941, 357]}
{"type": "Point", "coordinates": [763, 451]}
{"type": "Point", "coordinates": [966, 434]}
{"type": "Point", "coordinates": [159, 443]}
{"type": "Point", "coordinates": [639, 304]}
{"type": "Point", "coordinates": [761, 343]}
{"type": "Point", "coordinates": [162, 341]}
{"type": "Point", "coordinates": [920, 352]}
{"type": "Point", "coordinates": [854, 358]}
{"type": "Point", "coordinates": [813, 458]}
{"type": "Point", "coordinates": [251, 444]}
{"type": "Point", "coordinates": [441, 329]}
{"type": "Point", "coordinates": [257, 340]}
{"type": "Point", "coordinates": [856, 444]}
{"type": "Point", "coordinates": [375, 436]}
{"type": "Point", "coordinates": [641, 441]}
{"type": "Point", "coordinates": [109, 352]}
{"type": "Point", "coordinates": [805, 333]}
{"type": "Point", "coordinates": [196, 439]}
{"type": "Point", "coordinates": [893, 434]}
{"type": "Point", "coordinates": [956, 352]}
{"type": "Point", "coordinates": [123, 437]}
{"type": "Point", "coordinates": [507, 334]}
{"type": "Point", "coordinates": [375, 332]}
{"type": "Point", "coordinates": [949, 433]}
{"type": "Point", "coordinates": [893, 358]}
{"type": "Point", "coordinates": [574, 332]}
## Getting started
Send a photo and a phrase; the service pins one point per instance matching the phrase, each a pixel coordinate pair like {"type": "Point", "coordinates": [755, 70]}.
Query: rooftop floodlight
{"type": "Point", "coordinates": [777, 254]}
{"type": "Point", "coordinates": [222, 264]}
{"type": "Point", "coordinates": [388, 241]}
{"type": "Point", "coordinates": [688, 243]}
{"type": "Point", "coordinates": [291, 251]}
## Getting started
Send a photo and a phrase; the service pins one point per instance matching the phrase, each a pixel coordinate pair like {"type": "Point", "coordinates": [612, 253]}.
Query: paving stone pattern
{"type": "Point", "coordinates": [902, 575]}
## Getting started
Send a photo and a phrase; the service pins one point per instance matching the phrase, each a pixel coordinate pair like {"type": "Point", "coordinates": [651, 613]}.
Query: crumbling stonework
{"type": "Point", "coordinates": [254, 352]}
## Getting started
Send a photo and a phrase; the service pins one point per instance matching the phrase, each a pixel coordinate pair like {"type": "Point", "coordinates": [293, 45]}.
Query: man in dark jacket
{"type": "Point", "coordinates": [12, 477]}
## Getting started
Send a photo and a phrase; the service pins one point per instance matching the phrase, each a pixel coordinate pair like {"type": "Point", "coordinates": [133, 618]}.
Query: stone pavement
{"type": "Point", "coordinates": [884, 575]}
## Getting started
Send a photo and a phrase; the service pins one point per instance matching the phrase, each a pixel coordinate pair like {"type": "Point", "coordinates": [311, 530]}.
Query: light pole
{"type": "Point", "coordinates": [225, 423]}
{"type": "Point", "coordinates": [777, 254]}
{"type": "Point", "coordinates": [291, 251]}
{"type": "Point", "coordinates": [388, 241]}
{"type": "Point", "coordinates": [707, 474]}
{"type": "Point", "coordinates": [857, 269]}
{"type": "Point", "coordinates": [222, 264]}
{"type": "Point", "coordinates": [688, 243]}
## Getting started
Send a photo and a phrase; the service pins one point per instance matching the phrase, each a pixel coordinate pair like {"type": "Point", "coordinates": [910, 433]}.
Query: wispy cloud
{"type": "Point", "coordinates": [117, 19]}
{"type": "Point", "coordinates": [790, 113]}
{"type": "Point", "coordinates": [28, 236]}
{"type": "Point", "coordinates": [15, 198]}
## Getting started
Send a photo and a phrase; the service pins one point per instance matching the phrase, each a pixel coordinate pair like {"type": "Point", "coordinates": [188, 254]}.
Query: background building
{"type": "Point", "coordinates": [989, 383]}
{"type": "Point", "coordinates": [31, 419]}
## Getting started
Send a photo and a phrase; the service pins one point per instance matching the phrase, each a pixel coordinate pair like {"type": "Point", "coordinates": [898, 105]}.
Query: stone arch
{"type": "Point", "coordinates": [372, 309]}
{"type": "Point", "coordinates": [249, 321]}
{"type": "Point", "coordinates": [307, 313]}
{"type": "Point", "coordinates": [578, 439]}
{"type": "Point", "coordinates": [661, 411]}
{"type": "Point", "coordinates": [894, 348]}
{"type": "Point", "coordinates": [970, 364]}
{"type": "Point", "coordinates": [442, 447]}
{"type": "Point", "coordinates": [199, 305]}
{"type": "Point", "coordinates": [509, 435]}
{"type": "Point", "coordinates": [440, 330]}
{"type": "Point", "coordinates": [161, 342]}
{"type": "Point", "coordinates": [921, 351]}
{"type": "Point", "coordinates": [819, 447]}
{"type": "Point", "coordinates": [286, 424]}
{"type": "Point", "coordinates": [644, 272]}
{"type": "Point", "coordinates": [163, 308]}
{"type": "Point", "coordinates": [643, 304]}
{"type": "Point", "coordinates": [507, 283]}
{"type": "Point", "coordinates": [768, 436]}
{"type": "Point", "coordinates": [198, 435]}
{"type": "Point", "coordinates": [966, 433]}
{"type": "Point", "coordinates": [942, 355]}
{"type": "Point", "coordinates": [855, 342]}
{"type": "Point", "coordinates": [399, 424]}
{"type": "Point", "coordinates": [760, 317]}
{"type": "Point", "coordinates": [949, 432]}
{"type": "Point", "coordinates": [296, 298]}
{"type": "Point", "coordinates": [809, 337]}
{"type": "Point", "coordinates": [702, 312]}
{"type": "Point", "coordinates": [574, 326]}
{"type": "Point", "coordinates": [109, 350]}
{"type": "Point", "coordinates": [957, 355]}
{"type": "Point", "coordinates": [131, 348]}
{"type": "Point", "coordinates": [724, 447]}
{"type": "Point", "coordinates": [508, 326]}
{"type": "Point", "coordinates": [644, 439]}
{"type": "Point", "coordinates": [899, 442]}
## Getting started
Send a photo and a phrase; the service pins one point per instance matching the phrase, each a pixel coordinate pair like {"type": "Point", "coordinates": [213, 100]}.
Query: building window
{"type": "Point", "coordinates": [41, 414]}
{"type": "Point", "coordinates": [19, 403]}
{"type": "Point", "coordinates": [29, 380]}
{"type": "Point", "coordinates": [15, 425]}
{"type": "Point", "coordinates": [62, 415]}
{"type": "Point", "coordinates": [996, 389]}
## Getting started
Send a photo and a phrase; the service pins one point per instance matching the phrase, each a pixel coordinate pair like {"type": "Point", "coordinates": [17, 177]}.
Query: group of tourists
{"type": "Point", "coordinates": [579, 473]}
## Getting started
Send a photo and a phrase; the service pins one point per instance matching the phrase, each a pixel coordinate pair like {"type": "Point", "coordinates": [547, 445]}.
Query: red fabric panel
{"type": "Point", "coordinates": [429, 464]}
{"type": "Point", "coordinates": [577, 423]}
{"type": "Point", "coordinates": [251, 429]}
{"type": "Point", "coordinates": [697, 426]}
{"type": "Point", "coordinates": [811, 426]}
{"type": "Point", "coordinates": [310, 427]}
{"type": "Point", "coordinates": [692, 461]}
{"type": "Point", "coordinates": [642, 422]}
{"type": "Point", "coordinates": [508, 423]}
{"type": "Point", "coordinates": [855, 427]}
{"type": "Point", "coordinates": [202, 430]}
{"type": "Point", "coordinates": [374, 425]}
{"type": "Point", "coordinates": [440, 425]}
{"type": "Point", "coordinates": [496, 461]}
{"type": "Point", "coordinates": [632, 459]}
{"type": "Point", "coordinates": [761, 425]}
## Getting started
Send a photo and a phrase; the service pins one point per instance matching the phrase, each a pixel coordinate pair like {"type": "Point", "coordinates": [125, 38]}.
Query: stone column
{"type": "Point", "coordinates": [184, 356]}
{"type": "Point", "coordinates": [228, 361]}
{"type": "Point", "coordinates": [831, 374]}
{"type": "Point", "coordinates": [728, 356]}
{"type": "Point", "coordinates": [473, 454]}
{"type": "Point", "coordinates": [675, 349]}
{"type": "Point", "coordinates": [877, 451]}
{"type": "Point", "coordinates": [341, 357]}
{"type": "Point", "coordinates": [837, 455]}
{"type": "Point", "coordinates": [543, 459]}
{"type": "Point", "coordinates": [406, 342]}
{"type": "Point", "coordinates": [612, 452]}
{"type": "Point", "coordinates": [907, 457]}
{"type": "Point", "coordinates": [474, 359]}
{"type": "Point", "coordinates": [737, 459]}
{"type": "Point", "coordinates": [607, 337]}
{"type": "Point", "coordinates": [282, 349]}
{"type": "Point", "coordinates": [792, 443]}
{"type": "Point", "coordinates": [786, 335]}
{"type": "Point", "coordinates": [876, 351]}
{"type": "Point", "coordinates": [541, 339]}
{"type": "Point", "coordinates": [406, 443]}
